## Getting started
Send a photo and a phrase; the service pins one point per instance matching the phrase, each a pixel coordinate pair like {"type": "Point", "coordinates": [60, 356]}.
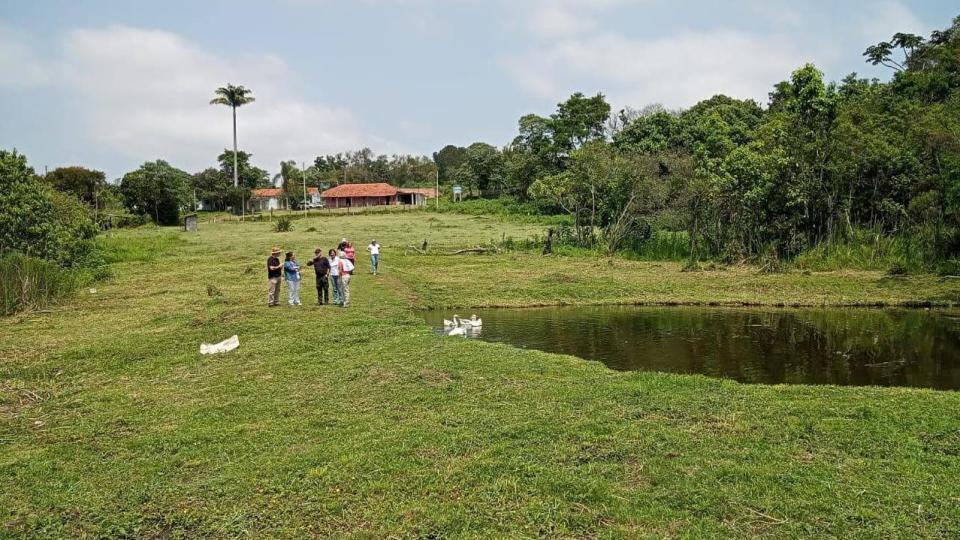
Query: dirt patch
{"type": "Point", "coordinates": [433, 377]}
{"type": "Point", "coordinates": [379, 376]}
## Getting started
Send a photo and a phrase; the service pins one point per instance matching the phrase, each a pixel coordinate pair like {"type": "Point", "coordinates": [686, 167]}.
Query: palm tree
{"type": "Point", "coordinates": [233, 96]}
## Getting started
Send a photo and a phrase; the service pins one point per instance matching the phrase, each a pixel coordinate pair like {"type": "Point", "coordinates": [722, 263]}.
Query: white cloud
{"type": "Point", "coordinates": [149, 92]}
{"type": "Point", "coordinates": [557, 18]}
{"type": "Point", "coordinates": [678, 70]}
{"type": "Point", "coordinates": [887, 18]}
{"type": "Point", "coordinates": [144, 94]}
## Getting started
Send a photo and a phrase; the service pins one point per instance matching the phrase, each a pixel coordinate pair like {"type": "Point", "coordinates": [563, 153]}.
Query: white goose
{"type": "Point", "coordinates": [458, 329]}
{"type": "Point", "coordinates": [472, 322]}
{"type": "Point", "coordinates": [447, 323]}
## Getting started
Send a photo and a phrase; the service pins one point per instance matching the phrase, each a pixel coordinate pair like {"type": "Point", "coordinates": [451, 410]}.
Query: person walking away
{"type": "Point", "coordinates": [335, 277]}
{"type": "Point", "coordinates": [291, 271]}
{"type": "Point", "coordinates": [321, 265]}
{"type": "Point", "coordinates": [273, 277]}
{"type": "Point", "coordinates": [350, 253]}
{"type": "Point", "coordinates": [374, 249]}
{"type": "Point", "coordinates": [346, 274]}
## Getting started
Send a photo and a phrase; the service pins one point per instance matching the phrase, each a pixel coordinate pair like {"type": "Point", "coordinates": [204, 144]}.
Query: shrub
{"type": "Point", "coordinates": [37, 220]}
{"type": "Point", "coordinates": [283, 224]}
{"type": "Point", "coordinates": [31, 283]}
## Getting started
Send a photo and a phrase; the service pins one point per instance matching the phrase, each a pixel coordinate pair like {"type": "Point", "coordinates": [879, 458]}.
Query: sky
{"type": "Point", "coordinates": [112, 84]}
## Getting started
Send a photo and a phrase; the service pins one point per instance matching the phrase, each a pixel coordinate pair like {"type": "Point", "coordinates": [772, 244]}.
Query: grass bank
{"type": "Point", "coordinates": [363, 423]}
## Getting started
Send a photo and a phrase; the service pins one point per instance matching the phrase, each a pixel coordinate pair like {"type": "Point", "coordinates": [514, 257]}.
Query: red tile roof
{"type": "Point", "coordinates": [360, 190]}
{"type": "Point", "coordinates": [312, 191]}
{"type": "Point", "coordinates": [266, 193]}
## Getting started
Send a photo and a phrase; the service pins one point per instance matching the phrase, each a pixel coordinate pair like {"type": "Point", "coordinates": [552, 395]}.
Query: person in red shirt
{"type": "Point", "coordinates": [350, 253]}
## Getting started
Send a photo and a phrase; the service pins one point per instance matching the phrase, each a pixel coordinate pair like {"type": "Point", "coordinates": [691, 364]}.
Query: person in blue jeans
{"type": "Point", "coordinates": [374, 249]}
{"type": "Point", "coordinates": [291, 271]}
{"type": "Point", "coordinates": [335, 277]}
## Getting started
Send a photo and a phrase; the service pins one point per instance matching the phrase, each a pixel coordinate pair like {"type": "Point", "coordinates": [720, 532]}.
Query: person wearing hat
{"type": "Point", "coordinates": [274, 268]}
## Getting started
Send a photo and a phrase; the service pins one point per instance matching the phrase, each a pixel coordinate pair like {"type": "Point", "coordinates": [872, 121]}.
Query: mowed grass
{"type": "Point", "coordinates": [527, 278]}
{"type": "Point", "coordinates": [363, 423]}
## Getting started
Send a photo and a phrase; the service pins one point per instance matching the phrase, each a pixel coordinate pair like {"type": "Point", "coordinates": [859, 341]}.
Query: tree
{"type": "Point", "coordinates": [38, 220]}
{"type": "Point", "coordinates": [233, 97]}
{"type": "Point", "coordinates": [83, 183]}
{"type": "Point", "coordinates": [156, 189]}
{"type": "Point", "coordinates": [578, 120]}
{"type": "Point", "coordinates": [485, 166]}
{"type": "Point", "coordinates": [249, 176]}
{"type": "Point", "coordinates": [213, 187]}
{"type": "Point", "coordinates": [449, 158]}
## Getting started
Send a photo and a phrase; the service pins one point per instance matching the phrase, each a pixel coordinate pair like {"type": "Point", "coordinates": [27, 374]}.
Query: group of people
{"type": "Point", "coordinates": [334, 270]}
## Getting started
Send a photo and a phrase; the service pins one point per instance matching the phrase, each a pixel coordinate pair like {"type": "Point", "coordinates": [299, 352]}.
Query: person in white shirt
{"type": "Point", "coordinates": [374, 249]}
{"type": "Point", "coordinates": [335, 277]}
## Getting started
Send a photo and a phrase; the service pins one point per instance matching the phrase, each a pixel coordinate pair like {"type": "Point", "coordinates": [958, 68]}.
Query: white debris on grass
{"type": "Point", "coordinates": [226, 345]}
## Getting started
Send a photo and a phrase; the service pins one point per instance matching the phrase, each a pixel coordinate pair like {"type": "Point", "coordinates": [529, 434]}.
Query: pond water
{"type": "Point", "coordinates": [917, 348]}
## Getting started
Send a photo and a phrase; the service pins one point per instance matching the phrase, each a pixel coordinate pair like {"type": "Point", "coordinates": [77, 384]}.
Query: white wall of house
{"type": "Point", "coordinates": [266, 204]}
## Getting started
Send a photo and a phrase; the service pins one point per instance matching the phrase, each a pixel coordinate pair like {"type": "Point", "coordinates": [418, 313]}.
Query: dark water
{"type": "Point", "coordinates": [811, 346]}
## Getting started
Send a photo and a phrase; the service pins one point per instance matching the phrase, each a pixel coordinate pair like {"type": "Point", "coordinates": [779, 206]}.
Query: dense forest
{"type": "Point", "coordinates": [820, 164]}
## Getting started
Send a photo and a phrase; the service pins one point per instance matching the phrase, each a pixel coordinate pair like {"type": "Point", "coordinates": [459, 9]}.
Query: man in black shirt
{"type": "Point", "coordinates": [321, 265]}
{"type": "Point", "coordinates": [274, 267]}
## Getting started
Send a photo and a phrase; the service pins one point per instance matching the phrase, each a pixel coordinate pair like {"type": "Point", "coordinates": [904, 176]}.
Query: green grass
{"type": "Point", "coordinates": [872, 250]}
{"type": "Point", "coordinates": [363, 423]}
{"type": "Point", "coordinates": [30, 283]}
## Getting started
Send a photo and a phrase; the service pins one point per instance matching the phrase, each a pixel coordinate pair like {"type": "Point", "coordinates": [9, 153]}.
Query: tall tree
{"type": "Point", "coordinates": [82, 182]}
{"type": "Point", "coordinates": [156, 189]}
{"type": "Point", "coordinates": [233, 97]}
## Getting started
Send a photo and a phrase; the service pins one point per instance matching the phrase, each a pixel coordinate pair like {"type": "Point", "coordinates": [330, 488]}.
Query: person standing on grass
{"type": "Point", "coordinates": [334, 261]}
{"type": "Point", "coordinates": [342, 245]}
{"type": "Point", "coordinates": [350, 253]}
{"type": "Point", "coordinates": [374, 249]}
{"type": "Point", "coordinates": [291, 271]}
{"type": "Point", "coordinates": [273, 277]}
{"type": "Point", "coordinates": [346, 273]}
{"type": "Point", "coordinates": [321, 265]}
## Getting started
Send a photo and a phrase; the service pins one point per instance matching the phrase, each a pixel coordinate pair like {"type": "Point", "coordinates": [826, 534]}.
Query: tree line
{"type": "Point", "coordinates": [820, 163]}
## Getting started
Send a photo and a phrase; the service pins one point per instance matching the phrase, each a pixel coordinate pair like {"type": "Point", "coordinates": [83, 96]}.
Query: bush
{"type": "Point", "coordinates": [37, 220]}
{"type": "Point", "coordinates": [126, 221]}
{"type": "Point", "coordinates": [31, 283]}
{"type": "Point", "coordinates": [283, 224]}
{"type": "Point", "coordinates": [502, 206]}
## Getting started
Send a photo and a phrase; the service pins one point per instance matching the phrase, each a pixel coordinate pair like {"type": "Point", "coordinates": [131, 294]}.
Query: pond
{"type": "Point", "coordinates": [885, 347]}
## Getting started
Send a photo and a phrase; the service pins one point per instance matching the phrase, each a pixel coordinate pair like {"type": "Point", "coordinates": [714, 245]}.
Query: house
{"type": "Point", "coordinates": [376, 194]}
{"type": "Point", "coordinates": [313, 196]}
{"type": "Point", "coordinates": [416, 196]}
{"type": "Point", "coordinates": [267, 199]}
{"type": "Point", "coordinates": [354, 195]}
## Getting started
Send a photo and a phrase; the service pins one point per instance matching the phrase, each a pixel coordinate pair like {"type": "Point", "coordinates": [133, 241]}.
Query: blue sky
{"type": "Point", "coordinates": [111, 84]}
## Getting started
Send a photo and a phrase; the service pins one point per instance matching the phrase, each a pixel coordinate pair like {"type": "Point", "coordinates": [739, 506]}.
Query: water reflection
{"type": "Point", "coordinates": [811, 346]}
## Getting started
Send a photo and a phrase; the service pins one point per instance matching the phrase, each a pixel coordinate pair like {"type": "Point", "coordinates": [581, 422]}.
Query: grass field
{"type": "Point", "coordinates": [363, 423]}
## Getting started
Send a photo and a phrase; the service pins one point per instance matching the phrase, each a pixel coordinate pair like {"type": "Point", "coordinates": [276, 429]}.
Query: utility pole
{"type": "Point", "coordinates": [303, 174]}
{"type": "Point", "coordinates": [437, 192]}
